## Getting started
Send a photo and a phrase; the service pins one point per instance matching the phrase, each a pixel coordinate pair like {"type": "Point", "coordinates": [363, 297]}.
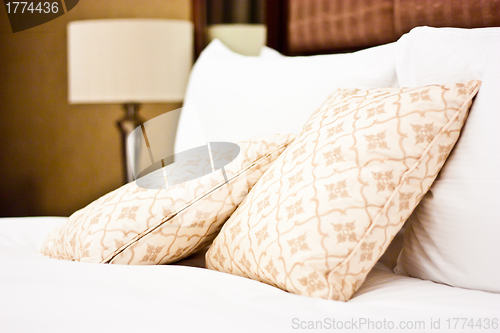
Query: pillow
{"type": "Point", "coordinates": [141, 223]}
{"type": "Point", "coordinates": [231, 97]}
{"type": "Point", "coordinates": [453, 234]}
{"type": "Point", "coordinates": [267, 52]}
{"type": "Point", "coordinates": [321, 216]}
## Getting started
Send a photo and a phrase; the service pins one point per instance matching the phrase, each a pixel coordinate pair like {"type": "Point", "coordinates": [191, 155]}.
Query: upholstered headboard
{"type": "Point", "coordinates": [297, 27]}
{"type": "Point", "coordinates": [300, 27]}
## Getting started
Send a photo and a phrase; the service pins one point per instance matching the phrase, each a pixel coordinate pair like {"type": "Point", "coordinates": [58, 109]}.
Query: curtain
{"type": "Point", "coordinates": [235, 11]}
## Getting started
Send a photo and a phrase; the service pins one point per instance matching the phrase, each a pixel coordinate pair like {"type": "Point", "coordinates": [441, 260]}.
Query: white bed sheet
{"type": "Point", "coordinates": [38, 294]}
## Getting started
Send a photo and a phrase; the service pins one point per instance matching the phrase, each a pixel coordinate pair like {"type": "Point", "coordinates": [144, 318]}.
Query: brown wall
{"type": "Point", "coordinates": [54, 157]}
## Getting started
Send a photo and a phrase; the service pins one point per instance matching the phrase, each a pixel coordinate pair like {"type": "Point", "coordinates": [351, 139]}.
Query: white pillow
{"type": "Point", "coordinates": [237, 97]}
{"type": "Point", "coordinates": [267, 52]}
{"type": "Point", "coordinates": [453, 234]}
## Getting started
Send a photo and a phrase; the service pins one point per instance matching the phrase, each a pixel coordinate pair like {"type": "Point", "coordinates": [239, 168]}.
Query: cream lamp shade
{"type": "Point", "coordinates": [246, 39]}
{"type": "Point", "coordinates": [128, 60]}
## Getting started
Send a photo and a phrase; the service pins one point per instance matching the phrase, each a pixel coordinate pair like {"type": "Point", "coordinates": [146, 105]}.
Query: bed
{"type": "Point", "coordinates": [447, 272]}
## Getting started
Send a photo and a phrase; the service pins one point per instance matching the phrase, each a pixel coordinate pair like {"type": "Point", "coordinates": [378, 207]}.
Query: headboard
{"type": "Point", "coordinates": [298, 27]}
{"type": "Point", "coordinates": [302, 27]}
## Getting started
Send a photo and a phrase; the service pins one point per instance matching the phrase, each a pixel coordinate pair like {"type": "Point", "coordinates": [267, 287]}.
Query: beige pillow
{"type": "Point", "coordinates": [141, 223]}
{"type": "Point", "coordinates": [326, 210]}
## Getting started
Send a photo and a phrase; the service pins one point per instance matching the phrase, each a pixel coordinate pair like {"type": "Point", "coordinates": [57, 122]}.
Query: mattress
{"type": "Point", "coordinates": [39, 294]}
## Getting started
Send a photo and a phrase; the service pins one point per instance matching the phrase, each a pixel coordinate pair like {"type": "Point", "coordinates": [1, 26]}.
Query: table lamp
{"type": "Point", "coordinates": [129, 61]}
{"type": "Point", "coordinates": [246, 39]}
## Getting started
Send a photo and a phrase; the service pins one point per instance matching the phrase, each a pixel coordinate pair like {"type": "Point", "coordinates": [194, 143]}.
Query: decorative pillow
{"type": "Point", "coordinates": [236, 97]}
{"type": "Point", "coordinates": [325, 211]}
{"type": "Point", "coordinates": [452, 236]}
{"type": "Point", "coordinates": [141, 223]}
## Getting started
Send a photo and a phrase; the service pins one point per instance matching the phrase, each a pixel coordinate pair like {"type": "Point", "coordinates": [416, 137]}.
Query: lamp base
{"type": "Point", "coordinates": [127, 124]}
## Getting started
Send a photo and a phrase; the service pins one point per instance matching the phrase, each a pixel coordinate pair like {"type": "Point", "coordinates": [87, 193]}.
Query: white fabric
{"type": "Point", "coordinates": [237, 97]}
{"type": "Point", "coordinates": [38, 294]}
{"type": "Point", "coordinates": [453, 235]}
{"type": "Point", "coordinates": [267, 52]}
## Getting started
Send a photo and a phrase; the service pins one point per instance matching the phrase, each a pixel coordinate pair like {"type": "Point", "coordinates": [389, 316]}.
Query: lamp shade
{"type": "Point", "coordinates": [128, 60]}
{"type": "Point", "coordinates": [246, 39]}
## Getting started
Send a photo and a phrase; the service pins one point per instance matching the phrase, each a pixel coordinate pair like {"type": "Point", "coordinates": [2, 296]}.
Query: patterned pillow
{"type": "Point", "coordinates": [141, 223]}
{"type": "Point", "coordinates": [326, 210]}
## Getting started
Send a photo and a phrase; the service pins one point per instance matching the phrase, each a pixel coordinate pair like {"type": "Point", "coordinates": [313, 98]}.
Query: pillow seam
{"type": "Point", "coordinates": [146, 232]}
{"type": "Point", "coordinates": [465, 105]}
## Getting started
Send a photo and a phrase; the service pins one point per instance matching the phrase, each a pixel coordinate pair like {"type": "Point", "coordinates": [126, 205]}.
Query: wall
{"type": "Point", "coordinates": [54, 157]}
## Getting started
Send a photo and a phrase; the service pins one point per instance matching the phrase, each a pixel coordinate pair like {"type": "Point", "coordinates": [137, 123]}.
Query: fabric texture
{"type": "Point", "coordinates": [73, 297]}
{"type": "Point", "coordinates": [452, 236]}
{"type": "Point", "coordinates": [321, 216]}
{"type": "Point", "coordinates": [316, 26]}
{"type": "Point", "coordinates": [151, 224]}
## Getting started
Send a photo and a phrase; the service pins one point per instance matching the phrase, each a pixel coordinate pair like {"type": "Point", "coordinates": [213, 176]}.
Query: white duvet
{"type": "Point", "coordinates": [38, 294]}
